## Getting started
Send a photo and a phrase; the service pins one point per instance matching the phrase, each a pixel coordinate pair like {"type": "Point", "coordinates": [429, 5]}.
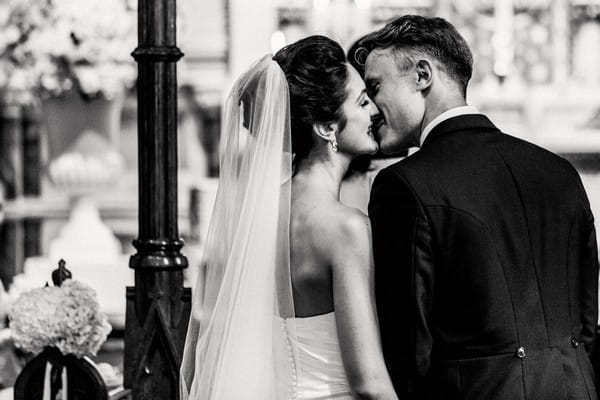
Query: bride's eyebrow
{"type": "Point", "coordinates": [361, 94]}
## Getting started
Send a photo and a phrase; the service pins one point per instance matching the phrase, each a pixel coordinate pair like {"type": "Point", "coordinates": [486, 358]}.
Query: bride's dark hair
{"type": "Point", "coordinates": [316, 70]}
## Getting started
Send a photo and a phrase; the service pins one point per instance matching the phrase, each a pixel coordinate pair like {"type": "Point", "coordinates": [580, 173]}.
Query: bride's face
{"type": "Point", "coordinates": [357, 135]}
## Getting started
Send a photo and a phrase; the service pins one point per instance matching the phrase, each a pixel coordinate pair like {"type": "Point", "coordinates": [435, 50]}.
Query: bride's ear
{"type": "Point", "coordinates": [326, 131]}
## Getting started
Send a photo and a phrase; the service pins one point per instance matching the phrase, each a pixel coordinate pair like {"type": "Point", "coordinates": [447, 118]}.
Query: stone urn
{"type": "Point", "coordinates": [83, 159]}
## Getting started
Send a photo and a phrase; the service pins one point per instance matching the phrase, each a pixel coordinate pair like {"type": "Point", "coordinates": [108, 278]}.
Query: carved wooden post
{"type": "Point", "coordinates": [158, 306]}
{"type": "Point", "coordinates": [32, 173]}
{"type": "Point", "coordinates": [11, 176]}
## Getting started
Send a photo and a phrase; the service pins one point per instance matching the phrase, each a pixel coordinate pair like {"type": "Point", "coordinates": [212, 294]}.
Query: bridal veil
{"type": "Point", "coordinates": [237, 345]}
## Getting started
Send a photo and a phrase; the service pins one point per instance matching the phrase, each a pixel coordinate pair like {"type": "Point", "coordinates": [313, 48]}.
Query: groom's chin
{"type": "Point", "coordinates": [399, 152]}
{"type": "Point", "coordinates": [393, 149]}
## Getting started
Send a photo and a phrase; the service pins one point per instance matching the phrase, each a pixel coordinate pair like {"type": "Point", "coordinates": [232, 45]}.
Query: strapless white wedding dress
{"type": "Point", "coordinates": [318, 363]}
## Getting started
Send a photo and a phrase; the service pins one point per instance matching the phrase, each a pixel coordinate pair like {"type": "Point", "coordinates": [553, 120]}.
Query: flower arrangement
{"type": "Point", "coordinates": [65, 316]}
{"type": "Point", "coordinates": [49, 47]}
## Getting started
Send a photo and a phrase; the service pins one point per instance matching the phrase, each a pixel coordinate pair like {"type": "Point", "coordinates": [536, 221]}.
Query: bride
{"type": "Point", "coordinates": [284, 306]}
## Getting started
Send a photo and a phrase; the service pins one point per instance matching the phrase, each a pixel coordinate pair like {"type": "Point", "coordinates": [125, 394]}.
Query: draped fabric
{"type": "Point", "coordinates": [235, 346]}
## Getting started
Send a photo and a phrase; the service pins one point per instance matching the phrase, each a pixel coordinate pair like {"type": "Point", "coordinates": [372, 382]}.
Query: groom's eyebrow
{"type": "Point", "coordinates": [370, 82]}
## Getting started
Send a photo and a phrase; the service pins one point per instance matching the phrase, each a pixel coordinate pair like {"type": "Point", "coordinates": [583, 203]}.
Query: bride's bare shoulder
{"type": "Point", "coordinates": [343, 227]}
{"type": "Point", "coordinates": [351, 220]}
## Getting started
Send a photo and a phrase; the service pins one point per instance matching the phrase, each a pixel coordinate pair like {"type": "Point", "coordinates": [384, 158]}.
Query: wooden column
{"type": "Point", "coordinates": [12, 233]}
{"type": "Point", "coordinates": [32, 181]}
{"type": "Point", "coordinates": [11, 151]}
{"type": "Point", "coordinates": [158, 306]}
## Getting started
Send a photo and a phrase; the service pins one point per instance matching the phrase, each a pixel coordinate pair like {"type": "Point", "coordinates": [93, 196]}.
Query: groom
{"type": "Point", "coordinates": [486, 263]}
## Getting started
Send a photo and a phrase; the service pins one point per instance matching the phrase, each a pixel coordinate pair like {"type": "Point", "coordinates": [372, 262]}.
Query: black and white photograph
{"type": "Point", "coordinates": [299, 199]}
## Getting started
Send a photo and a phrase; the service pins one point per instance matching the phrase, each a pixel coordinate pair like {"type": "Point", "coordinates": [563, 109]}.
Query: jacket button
{"type": "Point", "coordinates": [574, 342]}
{"type": "Point", "coordinates": [521, 352]}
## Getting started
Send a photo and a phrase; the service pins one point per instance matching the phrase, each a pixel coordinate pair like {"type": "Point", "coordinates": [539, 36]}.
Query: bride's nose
{"type": "Point", "coordinates": [374, 111]}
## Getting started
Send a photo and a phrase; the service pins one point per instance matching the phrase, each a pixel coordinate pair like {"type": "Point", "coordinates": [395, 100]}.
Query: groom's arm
{"type": "Point", "coordinates": [589, 280]}
{"type": "Point", "coordinates": [403, 280]}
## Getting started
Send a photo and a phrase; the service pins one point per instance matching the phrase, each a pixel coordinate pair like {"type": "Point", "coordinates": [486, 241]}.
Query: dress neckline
{"type": "Point", "coordinates": [327, 314]}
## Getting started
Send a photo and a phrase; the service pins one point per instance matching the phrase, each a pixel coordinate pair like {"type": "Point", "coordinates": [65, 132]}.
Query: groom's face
{"type": "Point", "coordinates": [393, 88]}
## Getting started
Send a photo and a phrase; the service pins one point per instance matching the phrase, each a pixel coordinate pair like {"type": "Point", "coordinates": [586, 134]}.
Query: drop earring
{"type": "Point", "coordinates": [334, 144]}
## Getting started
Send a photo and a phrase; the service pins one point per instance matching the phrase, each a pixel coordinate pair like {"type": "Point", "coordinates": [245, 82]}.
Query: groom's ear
{"type": "Point", "coordinates": [424, 70]}
{"type": "Point", "coordinates": [325, 131]}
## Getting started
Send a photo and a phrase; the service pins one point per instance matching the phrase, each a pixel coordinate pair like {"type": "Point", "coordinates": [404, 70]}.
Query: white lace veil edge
{"type": "Point", "coordinates": [239, 333]}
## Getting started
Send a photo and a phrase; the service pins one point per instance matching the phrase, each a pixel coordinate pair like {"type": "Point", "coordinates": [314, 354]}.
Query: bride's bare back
{"type": "Point", "coordinates": [313, 216]}
{"type": "Point", "coordinates": [320, 231]}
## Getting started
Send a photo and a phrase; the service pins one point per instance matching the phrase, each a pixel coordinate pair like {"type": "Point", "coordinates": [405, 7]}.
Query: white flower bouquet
{"type": "Point", "coordinates": [54, 46]}
{"type": "Point", "coordinates": [66, 317]}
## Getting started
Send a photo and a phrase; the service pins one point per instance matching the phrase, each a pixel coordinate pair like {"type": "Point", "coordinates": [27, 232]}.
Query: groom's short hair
{"type": "Point", "coordinates": [413, 35]}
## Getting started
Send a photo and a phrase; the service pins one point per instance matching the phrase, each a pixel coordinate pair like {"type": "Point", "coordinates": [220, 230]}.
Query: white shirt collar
{"type": "Point", "coordinates": [453, 112]}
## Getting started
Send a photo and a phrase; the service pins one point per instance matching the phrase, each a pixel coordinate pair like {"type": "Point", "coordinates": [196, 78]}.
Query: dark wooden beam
{"type": "Point", "coordinates": [32, 177]}
{"type": "Point", "coordinates": [11, 150]}
{"type": "Point", "coordinates": [12, 237]}
{"type": "Point", "coordinates": [158, 306]}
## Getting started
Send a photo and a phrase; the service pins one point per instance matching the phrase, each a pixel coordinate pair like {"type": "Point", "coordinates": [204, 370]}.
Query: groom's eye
{"type": "Point", "coordinates": [372, 90]}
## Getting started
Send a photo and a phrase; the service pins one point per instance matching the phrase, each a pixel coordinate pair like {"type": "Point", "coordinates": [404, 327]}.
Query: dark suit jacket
{"type": "Point", "coordinates": [486, 269]}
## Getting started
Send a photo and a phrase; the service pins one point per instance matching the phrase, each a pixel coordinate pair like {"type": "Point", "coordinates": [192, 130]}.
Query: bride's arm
{"type": "Point", "coordinates": [354, 303]}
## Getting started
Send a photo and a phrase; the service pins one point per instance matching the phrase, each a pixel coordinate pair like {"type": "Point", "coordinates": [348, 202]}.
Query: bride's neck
{"type": "Point", "coordinates": [324, 170]}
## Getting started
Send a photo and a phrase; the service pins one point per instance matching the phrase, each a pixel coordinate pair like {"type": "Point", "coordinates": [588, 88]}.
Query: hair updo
{"type": "Point", "coordinates": [317, 74]}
